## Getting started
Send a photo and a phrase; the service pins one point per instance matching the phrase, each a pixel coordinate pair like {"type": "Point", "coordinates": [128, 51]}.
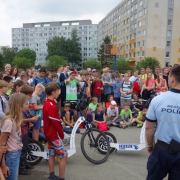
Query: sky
{"type": "Point", "coordinates": [13, 13]}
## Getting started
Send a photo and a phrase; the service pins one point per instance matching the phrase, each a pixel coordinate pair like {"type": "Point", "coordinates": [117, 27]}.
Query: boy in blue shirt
{"type": "Point", "coordinates": [117, 86]}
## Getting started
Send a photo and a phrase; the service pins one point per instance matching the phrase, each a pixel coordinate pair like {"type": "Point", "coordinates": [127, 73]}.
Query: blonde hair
{"type": "Point", "coordinates": [105, 70]}
{"type": "Point", "coordinates": [94, 99]}
{"type": "Point", "coordinates": [15, 109]}
{"type": "Point", "coordinates": [3, 84]}
{"type": "Point", "coordinates": [40, 86]}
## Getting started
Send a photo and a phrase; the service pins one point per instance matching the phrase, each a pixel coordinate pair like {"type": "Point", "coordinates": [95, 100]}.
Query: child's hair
{"type": "Point", "coordinates": [108, 98]}
{"type": "Point", "coordinates": [67, 105]}
{"type": "Point", "coordinates": [48, 73]}
{"type": "Point", "coordinates": [126, 104]}
{"type": "Point", "coordinates": [98, 105]}
{"type": "Point", "coordinates": [50, 87]}
{"type": "Point", "coordinates": [134, 94]}
{"type": "Point", "coordinates": [99, 75]}
{"type": "Point", "coordinates": [105, 70]}
{"type": "Point", "coordinates": [118, 75]}
{"type": "Point", "coordinates": [1, 75]}
{"type": "Point", "coordinates": [8, 79]}
{"type": "Point", "coordinates": [54, 75]}
{"type": "Point", "coordinates": [26, 89]}
{"type": "Point", "coordinates": [42, 69]}
{"type": "Point", "coordinates": [3, 84]}
{"type": "Point", "coordinates": [83, 73]}
{"type": "Point", "coordinates": [147, 81]}
{"type": "Point", "coordinates": [11, 72]}
{"type": "Point", "coordinates": [23, 77]}
{"type": "Point", "coordinates": [17, 83]}
{"type": "Point", "coordinates": [94, 99]}
{"type": "Point", "coordinates": [40, 86]}
{"type": "Point", "coordinates": [15, 109]}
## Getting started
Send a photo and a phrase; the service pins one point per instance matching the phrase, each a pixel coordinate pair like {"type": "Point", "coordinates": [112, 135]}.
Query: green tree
{"type": "Point", "coordinates": [148, 61]}
{"type": "Point", "coordinates": [8, 54]}
{"type": "Point", "coordinates": [104, 52]}
{"type": "Point", "coordinates": [1, 63]}
{"type": "Point", "coordinates": [74, 49]}
{"type": "Point", "coordinates": [22, 62]}
{"type": "Point", "coordinates": [93, 64]}
{"type": "Point", "coordinates": [56, 61]}
{"type": "Point", "coordinates": [57, 46]}
{"type": "Point", "coordinates": [123, 65]}
{"type": "Point", "coordinates": [28, 54]}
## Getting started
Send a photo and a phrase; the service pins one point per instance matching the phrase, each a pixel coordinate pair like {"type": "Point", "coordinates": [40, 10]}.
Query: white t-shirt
{"type": "Point", "coordinates": [14, 141]}
{"type": "Point", "coordinates": [113, 111]}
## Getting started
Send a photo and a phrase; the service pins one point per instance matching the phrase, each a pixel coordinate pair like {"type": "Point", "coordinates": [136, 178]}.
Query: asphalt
{"type": "Point", "coordinates": [121, 165]}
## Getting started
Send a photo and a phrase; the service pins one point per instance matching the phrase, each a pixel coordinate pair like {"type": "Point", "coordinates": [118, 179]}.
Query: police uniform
{"type": "Point", "coordinates": [165, 158]}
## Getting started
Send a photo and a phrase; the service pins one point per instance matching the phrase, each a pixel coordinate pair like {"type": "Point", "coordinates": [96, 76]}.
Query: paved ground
{"type": "Point", "coordinates": [119, 166]}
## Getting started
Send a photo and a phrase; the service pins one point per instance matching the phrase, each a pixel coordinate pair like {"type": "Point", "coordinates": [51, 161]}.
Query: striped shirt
{"type": "Point", "coordinates": [126, 86]}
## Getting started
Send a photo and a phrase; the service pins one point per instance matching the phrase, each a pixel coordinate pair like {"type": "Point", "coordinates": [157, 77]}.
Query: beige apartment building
{"type": "Point", "coordinates": [144, 28]}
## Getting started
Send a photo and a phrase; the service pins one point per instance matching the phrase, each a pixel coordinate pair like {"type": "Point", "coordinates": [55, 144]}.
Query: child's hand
{"type": "Point", "coordinates": [30, 125]}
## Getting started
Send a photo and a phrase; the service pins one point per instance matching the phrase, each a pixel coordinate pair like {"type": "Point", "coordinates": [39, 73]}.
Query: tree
{"type": "Point", "coordinates": [1, 63]}
{"type": "Point", "coordinates": [74, 49]}
{"type": "Point", "coordinates": [56, 61]}
{"type": "Point", "coordinates": [93, 64]}
{"type": "Point", "coordinates": [149, 61]}
{"type": "Point", "coordinates": [57, 46]}
{"type": "Point", "coordinates": [9, 54]}
{"type": "Point", "coordinates": [104, 52]}
{"type": "Point", "coordinates": [28, 54]}
{"type": "Point", "coordinates": [123, 65]}
{"type": "Point", "coordinates": [22, 62]}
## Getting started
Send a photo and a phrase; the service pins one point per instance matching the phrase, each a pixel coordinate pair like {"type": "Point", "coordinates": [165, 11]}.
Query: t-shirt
{"type": "Point", "coordinates": [151, 82]}
{"type": "Point", "coordinates": [163, 83]}
{"type": "Point", "coordinates": [4, 104]}
{"type": "Point", "coordinates": [92, 106]}
{"type": "Point", "coordinates": [139, 115]}
{"type": "Point", "coordinates": [71, 90]}
{"type": "Point", "coordinates": [63, 76]}
{"type": "Point", "coordinates": [117, 87]}
{"type": "Point", "coordinates": [97, 84]}
{"type": "Point", "coordinates": [14, 142]}
{"type": "Point", "coordinates": [34, 100]}
{"type": "Point", "coordinates": [144, 76]}
{"type": "Point", "coordinates": [25, 125]}
{"type": "Point", "coordinates": [126, 86]}
{"type": "Point", "coordinates": [82, 89]}
{"type": "Point", "coordinates": [133, 79]}
{"type": "Point", "coordinates": [63, 112]}
{"type": "Point", "coordinates": [126, 114]}
{"type": "Point", "coordinates": [113, 111]}
{"type": "Point", "coordinates": [99, 116]}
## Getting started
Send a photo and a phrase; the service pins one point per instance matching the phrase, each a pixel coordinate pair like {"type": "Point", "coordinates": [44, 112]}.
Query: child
{"type": "Point", "coordinates": [92, 106]}
{"type": "Point", "coordinates": [141, 117]}
{"type": "Point", "coordinates": [112, 114]}
{"type": "Point", "coordinates": [11, 133]}
{"type": "Point", "coordinates": [24, 78]}
{"type": "Point", "coordinates": [10, 84]}
{"type": "Point", "coordinates": [49, 77]}
{"type": "Point", "coordinates": [67, 115]}
{"type": "Point", "coordinates": [126, 116]}
{"type": "Point", "coordinates": [117, 86]}
{"type": "Point", "coordinates": [109, 99]}
{"type": "Point", "coordinates": [13, 73]}
{"type": "Point", "coordinates": [54, 132]}
{"type": "Point", "coordinates": [30, 81]}
{"type": "Point", "coordinates": [97, 87]}
{"type": "Point", "coordinates": [37, 109]}
{"type": "Point", "coordinates": [54, 77]}
{"type": "Point", "coordinates": [88, 88]}
{"type": "Point", "coordinates": [4, 102]}
{"type": "Point", "coordinates": [27, 119]}
{"type": "Point", "coordinates": [17, 86]}
{"type": "Point", "coordinates": [98, 116]}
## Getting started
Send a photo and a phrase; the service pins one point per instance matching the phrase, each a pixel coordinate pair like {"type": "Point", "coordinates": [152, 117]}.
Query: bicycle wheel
{"type": "Point", "coordinates": [34, 145]}
{"type": "Point", "coordinates": [91, 141]}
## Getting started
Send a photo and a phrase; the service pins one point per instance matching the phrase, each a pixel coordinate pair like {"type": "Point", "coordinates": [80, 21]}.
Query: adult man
{"type": "Point", "coordinates": [164, 111]}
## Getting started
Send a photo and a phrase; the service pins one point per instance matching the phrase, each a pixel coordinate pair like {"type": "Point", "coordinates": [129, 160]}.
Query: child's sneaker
{"type": "Point", "coordinates": [55, 178]}
{"type": "Point", "coordinates": [124, 126]}
{"type": "Point", "coordinates": [139, 125]}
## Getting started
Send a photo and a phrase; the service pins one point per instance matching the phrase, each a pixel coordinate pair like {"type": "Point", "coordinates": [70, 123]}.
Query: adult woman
{"type": "Point", "coordinates": [161, 84]}
{"type": "Point", "coordinates": [149, 85]}
{"type": "Point", "coordinates": [14, 73]}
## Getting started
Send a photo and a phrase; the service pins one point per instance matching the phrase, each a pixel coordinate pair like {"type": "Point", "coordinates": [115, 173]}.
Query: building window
{"type": "Point", "coordinates": [169, 33]}
{"type": "Point", "coordinates": [145, 11]}
{"type": "Point", "coordinates": [170, 11]}
{"type": "Point", "coordinates": [168, 44]}
{"type": "Point", "coordinates": [143, 32]}
{"type": "Point", "coordinates": [156, 5]}
{"type": "Point", "coordinates": [139, 24]}
{"type": "Point", "coordinates": [169, 22]}
{"type": "Point", "coordinates": [139, 34]}
{"type": "Point", "coordinates": [171, 1]}
{"type": "Point", "coordinates": [143, 43]}
{"type": "Point", "coordinates": [167, 54]}
{"type": "Point", "coordinates": [138, 54]}
{"type": "Point", "coordinates": [140, 3]}
{"type": "Point", "coordinates": [142, 53]}
{"type": "Point", "coordinates": [135, 16]}
{"type": "Point", "coordinates": [138, 44]}
{"type": "Point", "coordinates": [140, 14]}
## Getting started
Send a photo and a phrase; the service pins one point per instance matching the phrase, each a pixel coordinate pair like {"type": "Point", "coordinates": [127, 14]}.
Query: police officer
{"type": "Point", "coordinates": [164, 111]}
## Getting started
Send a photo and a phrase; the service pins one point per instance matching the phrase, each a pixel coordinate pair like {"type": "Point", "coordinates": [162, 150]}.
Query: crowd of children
{"type": "Point", "coordinates": [38, 102]}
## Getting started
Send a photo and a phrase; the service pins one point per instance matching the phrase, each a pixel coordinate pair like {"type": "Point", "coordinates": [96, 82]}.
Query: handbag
{"type": "Point", "coordinates": [102, 126]}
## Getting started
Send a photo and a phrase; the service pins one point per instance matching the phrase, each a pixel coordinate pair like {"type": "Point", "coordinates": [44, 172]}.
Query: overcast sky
{"type": "Point", "coordinates": [13, 13]}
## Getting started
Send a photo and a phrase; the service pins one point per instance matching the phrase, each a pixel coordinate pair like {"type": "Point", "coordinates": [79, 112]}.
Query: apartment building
{"type": "Point", "coordinates": [36, 35]}
{"type": "Point", "coordinates": [144, 28]}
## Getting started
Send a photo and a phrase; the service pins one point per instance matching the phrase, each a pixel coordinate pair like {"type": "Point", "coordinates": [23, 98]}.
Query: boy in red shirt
{"type": "Point", "coordinates": [97, 87]}
{"type": "Point", "coordinates": [54, 132]}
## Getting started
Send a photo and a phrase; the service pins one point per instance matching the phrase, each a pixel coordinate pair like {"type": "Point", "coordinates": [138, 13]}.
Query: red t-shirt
{"type": "Point", "coordinates": [96, 85]}
{"type": "Point", "coordinates": [52, 124]}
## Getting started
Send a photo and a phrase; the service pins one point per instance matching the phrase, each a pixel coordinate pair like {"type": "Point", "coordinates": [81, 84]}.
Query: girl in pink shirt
{"type": "Point", "coordinates": [11, 135]}
{"type": "Point", "coordinates": [161, 84]}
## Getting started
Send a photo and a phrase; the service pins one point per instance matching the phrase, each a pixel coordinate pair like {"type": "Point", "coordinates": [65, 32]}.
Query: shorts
{"type": "Point", "coordinates": [57, 148]}
{"type": "Point", "coordinates": [37, 124]}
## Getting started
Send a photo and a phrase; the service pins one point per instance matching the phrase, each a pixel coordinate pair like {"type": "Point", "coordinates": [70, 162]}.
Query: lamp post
{"type": "Point", "coordinates": [115, 62]}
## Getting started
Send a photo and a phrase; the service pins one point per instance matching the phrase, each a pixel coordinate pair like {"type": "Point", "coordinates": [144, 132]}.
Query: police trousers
{"type": "Point", "coordinates": [161, 163]}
